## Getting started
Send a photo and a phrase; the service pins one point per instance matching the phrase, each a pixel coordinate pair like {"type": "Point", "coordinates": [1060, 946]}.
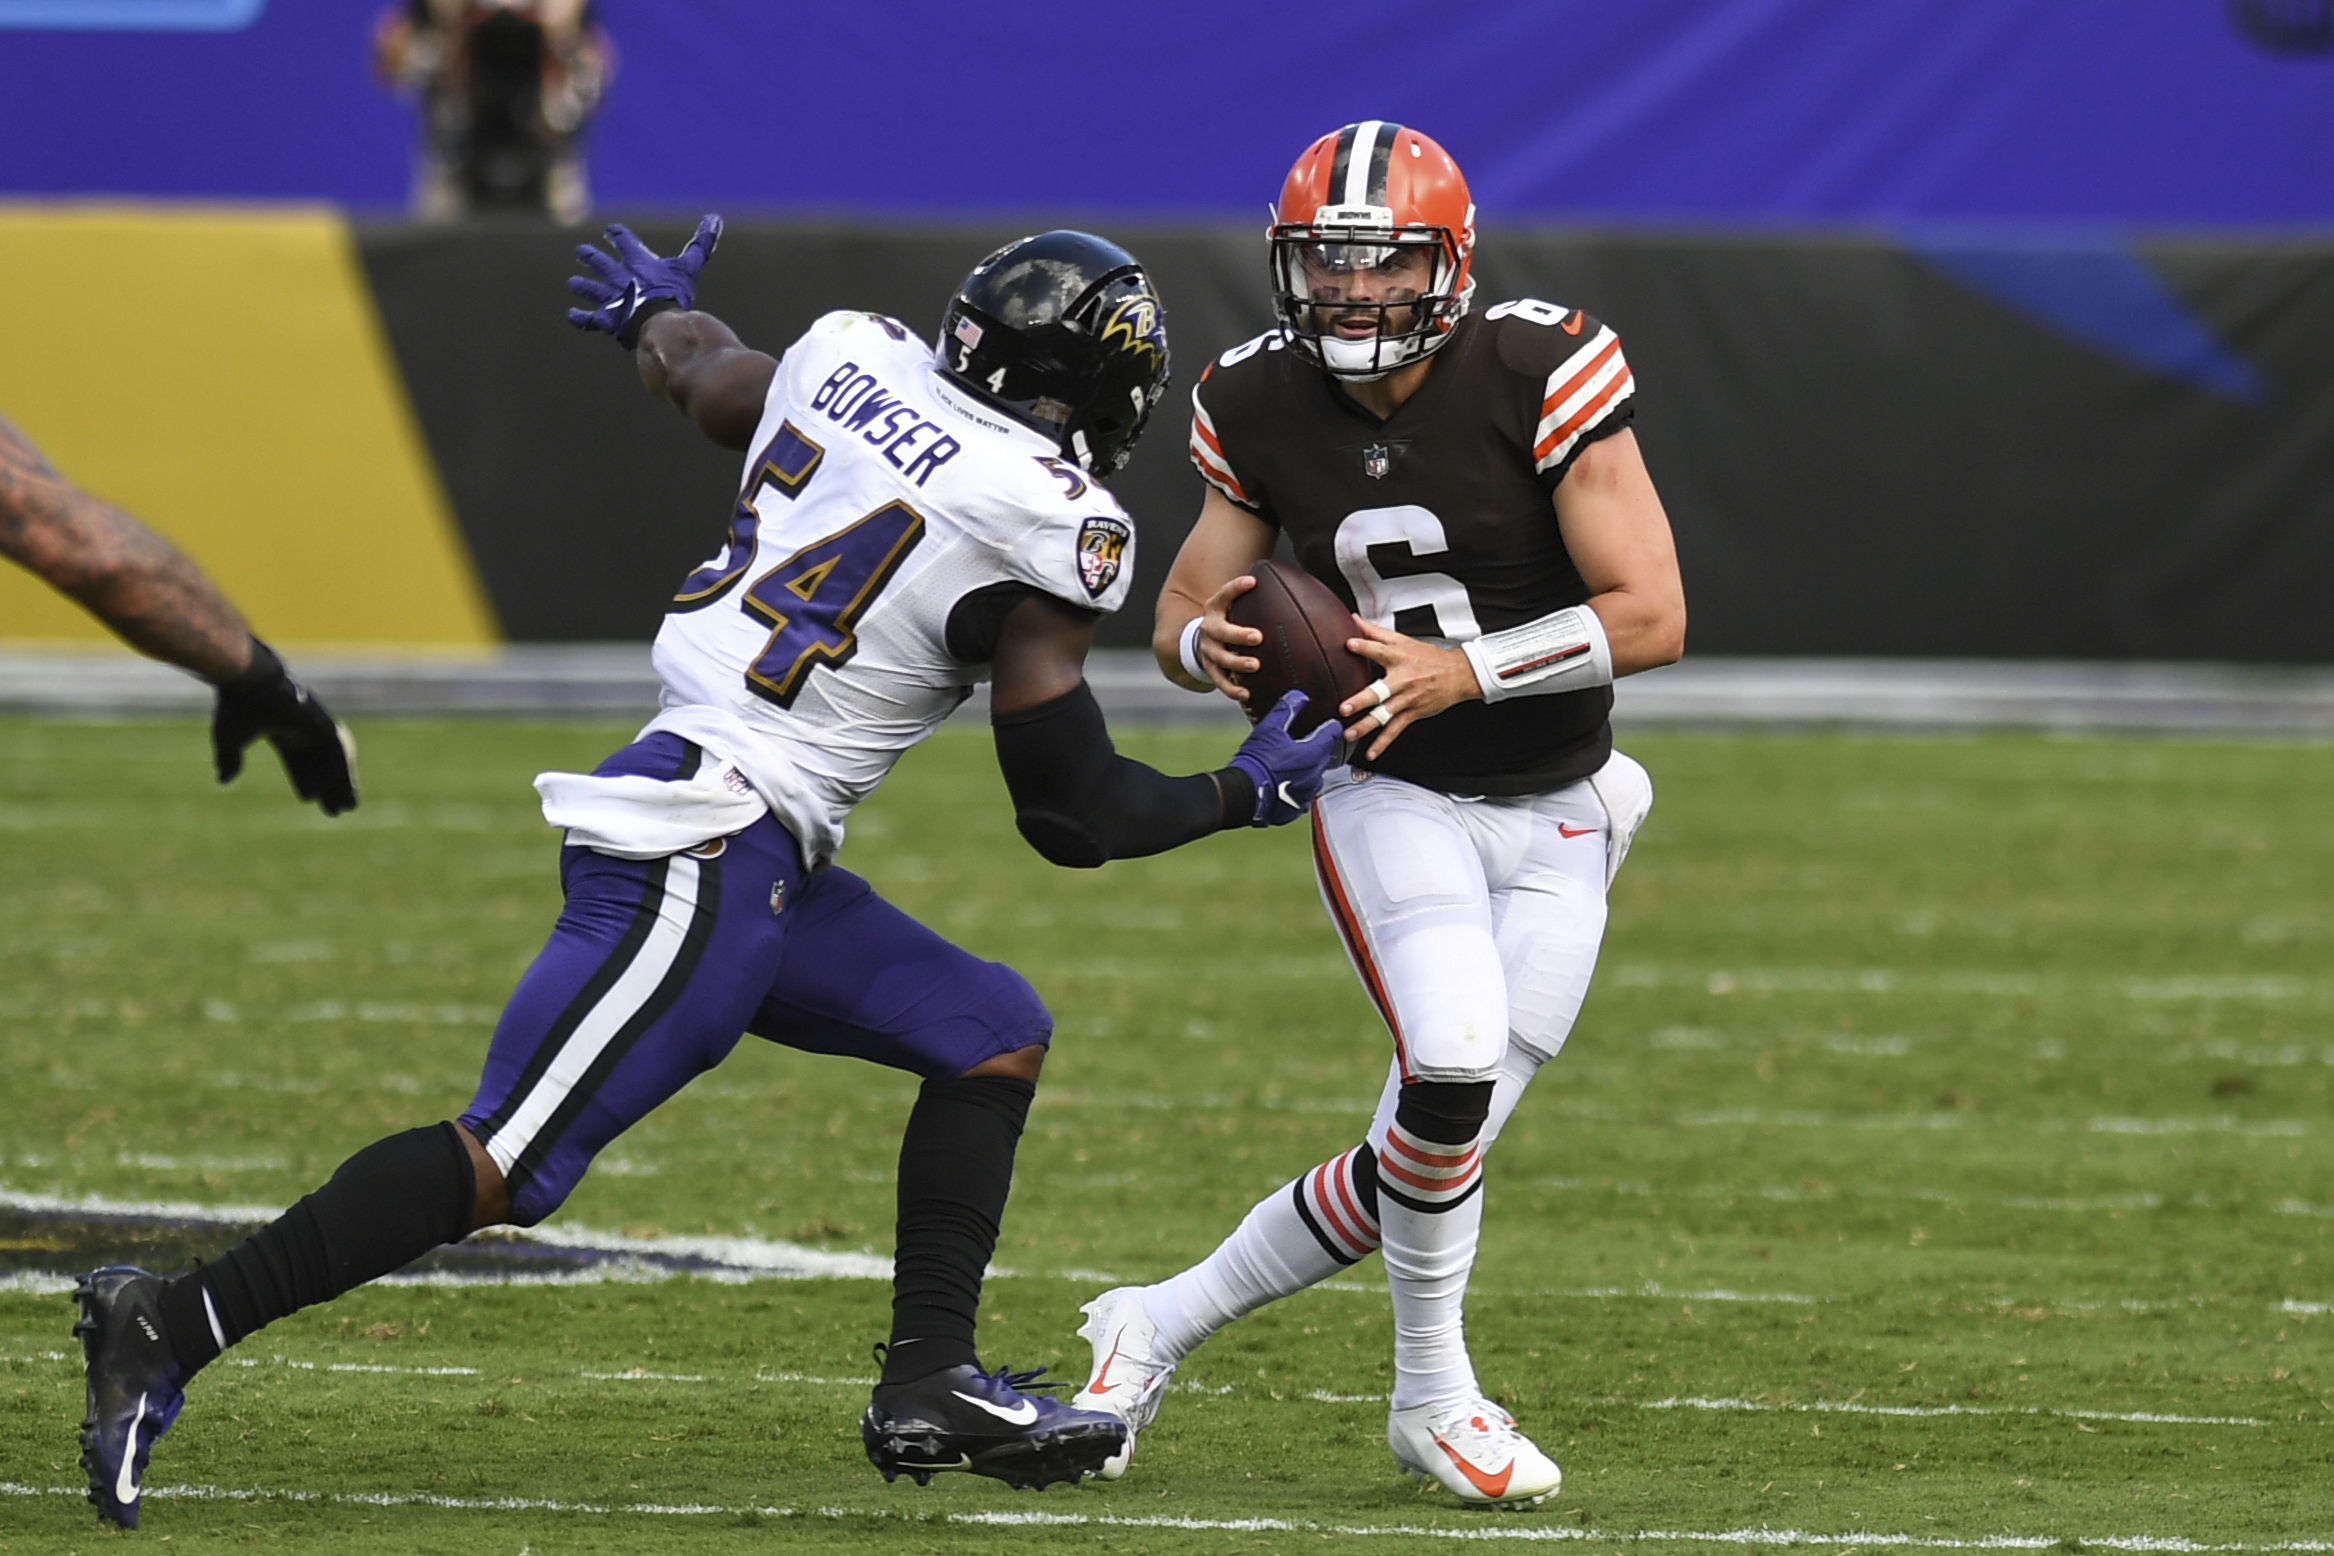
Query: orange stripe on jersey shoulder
{"type": "Point", "coordinates": [1584, 415]}
{"type": "Point", "coordinates": [1571, 386]}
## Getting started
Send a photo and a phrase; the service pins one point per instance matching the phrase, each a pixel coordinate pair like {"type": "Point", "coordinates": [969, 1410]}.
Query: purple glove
{"type": "Point", "coordinates": [1287, 772]}
{"type": "Point", "coordinates": [632, 279]}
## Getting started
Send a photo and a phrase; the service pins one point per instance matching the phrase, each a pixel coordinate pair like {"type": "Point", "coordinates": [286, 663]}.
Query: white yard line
{"type": "Point", "coordinates": [1517, 1531]}
{"type": "Point", "coordinates": [1318, 1396]}
{"type": "Point", "coordinates": [1844, 1407]}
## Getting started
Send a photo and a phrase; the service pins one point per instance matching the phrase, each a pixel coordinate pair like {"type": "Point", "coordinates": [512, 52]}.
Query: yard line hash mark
{"type": "Point", "coordinates": [1535, 1533]}
{"type": "Point", "coordinates": [1843, 1407]}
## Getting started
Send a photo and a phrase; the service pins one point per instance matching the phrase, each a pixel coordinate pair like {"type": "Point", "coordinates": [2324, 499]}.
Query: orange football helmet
{"type": "Point", "coordinates": [1374, 223]}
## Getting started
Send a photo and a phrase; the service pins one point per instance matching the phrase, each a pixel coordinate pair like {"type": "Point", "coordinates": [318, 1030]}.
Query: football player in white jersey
{"type": "Point", "coordinates": [909, 524]}
{"type": "Point", "coordinates": [1470, 486]}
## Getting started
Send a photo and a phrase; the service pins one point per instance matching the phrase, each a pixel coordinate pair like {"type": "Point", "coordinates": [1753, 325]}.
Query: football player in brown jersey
{"type": "Point", "coordinates": [1470, 484]}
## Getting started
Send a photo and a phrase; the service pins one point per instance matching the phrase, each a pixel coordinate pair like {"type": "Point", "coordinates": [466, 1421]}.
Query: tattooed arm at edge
{"type": "Point", "coordinates": [116, 568]}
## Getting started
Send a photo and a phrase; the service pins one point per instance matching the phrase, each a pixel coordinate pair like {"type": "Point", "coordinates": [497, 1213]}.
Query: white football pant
{"type": "Point", "coordinates": [1474, 926]}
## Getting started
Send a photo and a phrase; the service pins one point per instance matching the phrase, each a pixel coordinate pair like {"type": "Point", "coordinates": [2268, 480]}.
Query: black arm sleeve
{"type": "Point", "coordinates": [1081, 804]}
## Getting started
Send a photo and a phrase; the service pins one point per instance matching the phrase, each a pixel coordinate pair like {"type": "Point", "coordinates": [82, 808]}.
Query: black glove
{"type": "Point", "coordinates": [318, 752]}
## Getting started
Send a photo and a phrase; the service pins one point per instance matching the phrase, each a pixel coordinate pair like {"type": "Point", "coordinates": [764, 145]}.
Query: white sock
{"type": "Point", "coordinates": [1275, 1252]}
{"type": "Point", "coordinates": [1431, 1216]}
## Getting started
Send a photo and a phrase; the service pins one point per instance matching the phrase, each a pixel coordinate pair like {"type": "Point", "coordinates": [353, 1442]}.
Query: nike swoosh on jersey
{"type": "Point", "coordinates": [1489, 1485]}
{"type": "Point", "coordinates": [125, 1484]}
{"type": "Point", "coordinates": [1020, 1415]}
{"type": "Point", "coordinates": [1564, 831]}
{"type": "Point", "coordinates": [1572, 325]}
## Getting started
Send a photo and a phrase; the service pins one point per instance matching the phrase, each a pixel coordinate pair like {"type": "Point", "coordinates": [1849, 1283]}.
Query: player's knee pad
{"type": "Point", "coordinates": [1446, 1112]}
{"type": "Point", "coordinates": [1430, 1158]}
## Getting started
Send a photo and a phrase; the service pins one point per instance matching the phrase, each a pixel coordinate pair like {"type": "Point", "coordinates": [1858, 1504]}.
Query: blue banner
{"type": "Point", "coordinates": [2163, 114]}
{"type": "Point", "coordinates": [131, 15]}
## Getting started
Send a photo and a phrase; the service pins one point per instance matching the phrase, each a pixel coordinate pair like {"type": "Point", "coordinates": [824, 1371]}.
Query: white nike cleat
{"type": "Point", "coordinates": [1475, 1450]}
{"type": "Point", "coordinates": [1129, 1375]}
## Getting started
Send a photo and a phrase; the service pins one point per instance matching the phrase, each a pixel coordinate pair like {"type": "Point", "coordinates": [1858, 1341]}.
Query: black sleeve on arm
{"type": "Point", "coordinates": [1081, 804]}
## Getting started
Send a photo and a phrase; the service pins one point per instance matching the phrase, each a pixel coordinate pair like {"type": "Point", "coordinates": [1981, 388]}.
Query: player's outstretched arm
{"type": "Point", "coordinates": [1081, 804]}
{"type": "Point", "coordinates": [165, 607]}
{"type": "Point", "coordinates": [696, 362]}
{"type": "Point", "coordinates": [117, 569]}
{"type": "Point", "coordinates": [692, 359]}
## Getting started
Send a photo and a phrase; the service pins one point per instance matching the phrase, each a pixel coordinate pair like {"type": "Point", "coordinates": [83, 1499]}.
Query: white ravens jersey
{"type": "Point", "coordinates": [813, 649]}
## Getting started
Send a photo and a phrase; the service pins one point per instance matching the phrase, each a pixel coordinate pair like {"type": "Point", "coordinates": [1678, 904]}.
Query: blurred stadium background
{"type": "Point", "coordinates": [1967, 331]}
{"type": "Point", "coordinates": [1984, 358]}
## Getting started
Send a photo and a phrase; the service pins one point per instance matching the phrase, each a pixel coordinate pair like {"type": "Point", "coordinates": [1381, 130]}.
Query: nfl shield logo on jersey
{"type": "Point", "coordinates": [1376, 460]}
{"type": "Point", "coordinates": [1102, 552]}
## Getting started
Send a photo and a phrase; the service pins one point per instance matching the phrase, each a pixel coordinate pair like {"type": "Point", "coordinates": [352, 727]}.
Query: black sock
{"type": "Point", "coordinates": [389, 1204]}
{"type": "Point", "coordinates": [956, 1167]}
{"type": "Point", "coordinates": [1446, 1112]}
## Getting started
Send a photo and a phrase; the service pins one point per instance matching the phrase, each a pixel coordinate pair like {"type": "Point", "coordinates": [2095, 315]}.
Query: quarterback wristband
{"type": "Point", "coordinates": [1187, 650]}
{"type": "Point", "coordinates": [1565, 651]}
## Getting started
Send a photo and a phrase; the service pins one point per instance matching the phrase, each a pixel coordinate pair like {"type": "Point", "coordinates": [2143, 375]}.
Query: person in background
{"type": "Point", "coordinates": [505, 89]}
{"type": "Point", "coordinates": [163, 606]}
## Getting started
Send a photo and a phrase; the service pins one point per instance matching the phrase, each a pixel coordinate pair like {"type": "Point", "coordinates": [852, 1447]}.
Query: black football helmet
{"type": "Point", "coordinates": [1065, 333]}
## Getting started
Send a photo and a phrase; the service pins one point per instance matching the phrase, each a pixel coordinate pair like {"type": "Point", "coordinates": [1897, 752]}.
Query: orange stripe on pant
{"type": "Point", "coordinates": [1349, 929]}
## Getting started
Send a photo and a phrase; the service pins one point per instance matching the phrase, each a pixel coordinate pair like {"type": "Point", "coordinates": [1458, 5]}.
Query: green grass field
{"type": "Point", "coordinates": [1945, 1158]}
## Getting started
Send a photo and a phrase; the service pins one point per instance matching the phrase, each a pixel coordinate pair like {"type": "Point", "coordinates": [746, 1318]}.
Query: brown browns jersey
{"type": "Point", "coordinates": [1437, 521]}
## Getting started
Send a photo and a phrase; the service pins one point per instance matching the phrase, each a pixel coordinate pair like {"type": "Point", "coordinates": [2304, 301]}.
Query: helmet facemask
{"type": "Point", "coordinates": [1363, 298]}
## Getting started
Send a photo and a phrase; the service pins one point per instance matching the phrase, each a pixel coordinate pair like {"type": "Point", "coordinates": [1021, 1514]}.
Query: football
{"type": "Point", "coordinates": [1305, 626]}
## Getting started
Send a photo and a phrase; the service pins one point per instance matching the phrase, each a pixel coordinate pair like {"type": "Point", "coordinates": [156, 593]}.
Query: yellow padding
{"type": "Point", "coordinates": [222, 375]}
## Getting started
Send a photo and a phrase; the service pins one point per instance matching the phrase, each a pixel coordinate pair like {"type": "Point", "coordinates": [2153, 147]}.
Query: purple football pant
{"type": "Point", "coordinates": [657, 966]}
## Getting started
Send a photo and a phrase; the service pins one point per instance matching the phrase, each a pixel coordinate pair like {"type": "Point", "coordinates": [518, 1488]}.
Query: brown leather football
{"type": "Point", "coordinates": [1305, 626]}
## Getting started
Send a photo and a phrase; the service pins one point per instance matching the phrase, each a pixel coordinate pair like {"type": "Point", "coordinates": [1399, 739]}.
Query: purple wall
{"type": "Point", "coordinates": [2140, 112]}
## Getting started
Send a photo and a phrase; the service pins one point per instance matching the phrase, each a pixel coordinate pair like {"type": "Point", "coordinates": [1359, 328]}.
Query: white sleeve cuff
{"type": "Point", "coordinates": [1562, 652]}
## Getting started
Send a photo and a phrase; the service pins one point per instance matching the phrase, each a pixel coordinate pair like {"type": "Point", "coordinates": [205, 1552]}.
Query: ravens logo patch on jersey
{"type": "Point", "coordinates": [1102, 543]}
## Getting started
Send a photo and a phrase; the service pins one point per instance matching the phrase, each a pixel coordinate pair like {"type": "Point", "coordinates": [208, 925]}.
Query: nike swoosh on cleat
{"type": "Point", "coordinates": [1102, 1373]}
{"type": "Point", "coordinates": [125, 1485]}
{"type": "Point", "coordinates": [1020, 1415]}
{"type": "Point", "coordinates": [1489, 1485]}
